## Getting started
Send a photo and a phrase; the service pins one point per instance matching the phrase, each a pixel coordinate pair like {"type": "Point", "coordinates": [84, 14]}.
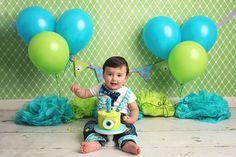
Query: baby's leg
{"type": "Point", "coordinates": [127, 140]}
{"type": "Point", "coordinates": [91, 138]}
{"type": "Point", "coordinates": [86, 147]}
{"type": "Point", "coordinates": [131, 147]}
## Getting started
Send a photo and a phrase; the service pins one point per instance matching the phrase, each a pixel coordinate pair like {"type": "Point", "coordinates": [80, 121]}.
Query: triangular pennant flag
{"type": "Point", "coordinates": [79, 66]}
{"type": "Point", "coordinates": [99, 72]}
{"type": "Point", "coordinates": [162, 66]}
{"type": "Point", "coordinates": [145, 72]}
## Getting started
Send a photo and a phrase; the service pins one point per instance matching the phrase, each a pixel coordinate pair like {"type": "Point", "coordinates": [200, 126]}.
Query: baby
{"type": "Point", "coordinates": [115, 74]}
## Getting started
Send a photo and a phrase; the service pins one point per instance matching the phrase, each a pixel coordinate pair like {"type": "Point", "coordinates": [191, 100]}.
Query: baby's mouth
{"type": "Point", "coordinates": [113, 84]}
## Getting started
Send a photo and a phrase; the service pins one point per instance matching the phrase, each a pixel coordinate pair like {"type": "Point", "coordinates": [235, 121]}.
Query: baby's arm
{"type": "Point", "coordinates": [80, 92]}
{"type": "Point", "coordinates": [134, 111]}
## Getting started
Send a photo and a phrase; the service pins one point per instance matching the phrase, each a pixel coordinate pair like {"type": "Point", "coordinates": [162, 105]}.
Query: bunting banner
{"type": "Point", "coordinates": [79, 66]}
{"type": "Point", "coordinates": [98, 71]}
{"type": "Point", "coordinates": [145, 72]}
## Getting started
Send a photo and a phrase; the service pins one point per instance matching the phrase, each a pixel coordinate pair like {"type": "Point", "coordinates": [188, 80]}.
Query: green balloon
{"type": "Point", "coordinates": [187, 61]}
{"type": "Point", "coordinates": [49, 52]}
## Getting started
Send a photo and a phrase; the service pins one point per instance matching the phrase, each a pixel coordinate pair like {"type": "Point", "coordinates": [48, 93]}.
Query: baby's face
{"type": "Point", "coordinates": [115, 77]}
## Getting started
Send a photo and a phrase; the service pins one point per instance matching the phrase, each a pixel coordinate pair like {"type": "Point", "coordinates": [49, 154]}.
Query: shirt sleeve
{"type": "Point", "coordinates": [95, 90]}
{"type": "Point", "coordinates": [132, 98]}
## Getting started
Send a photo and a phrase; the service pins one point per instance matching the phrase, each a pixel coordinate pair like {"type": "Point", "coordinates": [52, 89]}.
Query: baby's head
{"type": "Point", "coordinates": [115, 72]}
{"type": "Point", "coordinates": [116, 62]}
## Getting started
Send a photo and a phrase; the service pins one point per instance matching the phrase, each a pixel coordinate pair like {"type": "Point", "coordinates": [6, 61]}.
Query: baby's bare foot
{"type": "Point", "coordinates": [86, 147]}
{"type": "Point", "coordinates": [131, 147]}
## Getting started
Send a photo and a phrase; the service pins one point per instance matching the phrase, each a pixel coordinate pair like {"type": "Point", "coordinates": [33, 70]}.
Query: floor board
{"type": "Point", "coordinates": [162, 137]}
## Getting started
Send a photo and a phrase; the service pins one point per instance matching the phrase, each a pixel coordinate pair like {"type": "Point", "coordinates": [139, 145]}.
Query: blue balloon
{"type": "Point", "coordinates": [76, 27]}
{"type": "Point", "coordinates": [160, 35]}
{"type": "Point", "coordinates": [200, 29]}
{"type": "Point", "coordinates": [32, 21]}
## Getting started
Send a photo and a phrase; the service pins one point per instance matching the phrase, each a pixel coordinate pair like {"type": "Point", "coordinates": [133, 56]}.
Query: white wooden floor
{"type": "Point", "coordinates": [159, 137]}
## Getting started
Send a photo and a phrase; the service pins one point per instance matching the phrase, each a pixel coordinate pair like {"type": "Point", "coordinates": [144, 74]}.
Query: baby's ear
{"type": "Point", "coordinates": [127, 76]}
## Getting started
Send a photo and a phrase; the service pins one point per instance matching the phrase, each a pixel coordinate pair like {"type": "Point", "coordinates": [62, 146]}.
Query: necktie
{"type": "Point", "coordinates": [113, 95]}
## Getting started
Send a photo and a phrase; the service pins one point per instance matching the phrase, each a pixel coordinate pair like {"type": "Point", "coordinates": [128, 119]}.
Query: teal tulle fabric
{"type": "Point", "coordinates": [203, 106]}
{"type": "Point", "coordinates": [45, 111]}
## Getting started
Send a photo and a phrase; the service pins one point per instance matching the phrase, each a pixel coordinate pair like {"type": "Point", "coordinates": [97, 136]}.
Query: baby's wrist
{"type": "Point", "coordinates": [77, 92]}
{"type": "Point", "coordinates": [133, 119]}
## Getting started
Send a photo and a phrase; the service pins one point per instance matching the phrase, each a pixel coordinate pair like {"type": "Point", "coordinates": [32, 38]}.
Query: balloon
{"type": "Point", "coordinates": [200, 29]}
{"type": "Point", "coordinates": [187, 61]}
{"type": "Point", "coordinates": [160, 35]}
{"type": "Point", "coordinates": [76, 27]}
{"type": "Point", "coordinates": [49, 52]}
{"type": "Point", "coordinates": [32, 21]}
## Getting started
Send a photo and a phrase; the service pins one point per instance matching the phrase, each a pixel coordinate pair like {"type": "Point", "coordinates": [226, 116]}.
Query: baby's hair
{"type": "Point", "coordinates": [115, 62]}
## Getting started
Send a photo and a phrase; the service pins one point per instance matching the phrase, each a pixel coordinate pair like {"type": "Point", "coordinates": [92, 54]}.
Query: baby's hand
{"type": "Point", "coordinates": [128, 120]}
{"type": "Point", "coordinates": [75, 88]}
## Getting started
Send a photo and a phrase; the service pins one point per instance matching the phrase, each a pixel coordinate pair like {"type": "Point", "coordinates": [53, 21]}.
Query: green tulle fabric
{"type": "Point", "coordinates": [45, 111]}
{"type": "Point", "coordinates": [152, 103]}
{"type": "Point", "coordinates": [84, 108]}
{"type": "Point", "coordinates": [203, 106]}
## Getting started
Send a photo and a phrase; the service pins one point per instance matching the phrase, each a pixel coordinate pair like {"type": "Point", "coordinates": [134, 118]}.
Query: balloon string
{"type": "Point", "coordinates": [58, 85]}
{"type": "Point", "coordinates": [57, 77]}
{"type": "Point", "coordinates": [66, 68]}
{"type": "Point", "coordinates": [68, 65]}
{"type": "Point", "coordinates": [180, 89]}
{"type": "Point", "coordinates": [229, 17]}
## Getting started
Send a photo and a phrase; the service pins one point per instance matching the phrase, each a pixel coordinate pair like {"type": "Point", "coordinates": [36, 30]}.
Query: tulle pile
{"type": "Point", "coordinates": [45, 111]}
{"type": "Point", "coordinates": [203, 106]}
